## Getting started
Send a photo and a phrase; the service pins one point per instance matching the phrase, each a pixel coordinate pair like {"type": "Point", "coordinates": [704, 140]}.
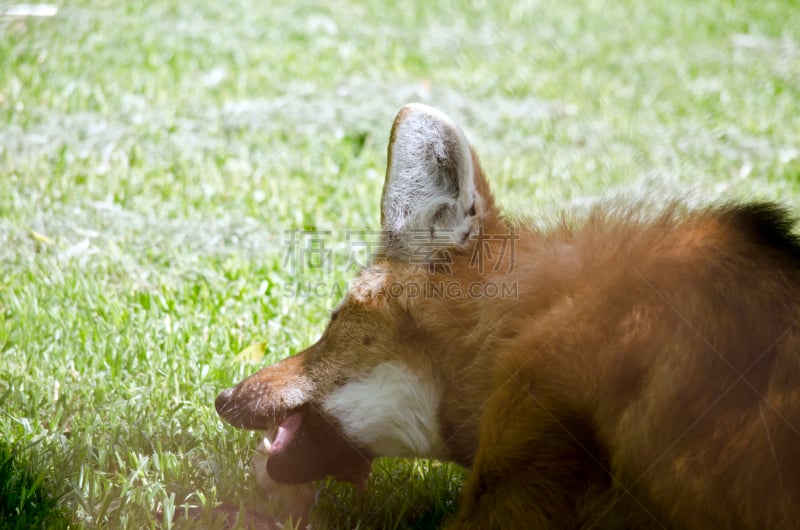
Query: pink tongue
{"type": "Point", "coordinates": [287, 430]}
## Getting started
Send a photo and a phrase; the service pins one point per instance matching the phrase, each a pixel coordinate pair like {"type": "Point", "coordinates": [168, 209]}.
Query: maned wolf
{"type": "Point", "coordinates": [630, 370]}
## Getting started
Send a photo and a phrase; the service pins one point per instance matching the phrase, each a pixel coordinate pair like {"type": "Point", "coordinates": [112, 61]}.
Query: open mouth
{"type": "Point", "coordinates": [309, 446]}
{"type": "Point", "coordinates": [306, 444]}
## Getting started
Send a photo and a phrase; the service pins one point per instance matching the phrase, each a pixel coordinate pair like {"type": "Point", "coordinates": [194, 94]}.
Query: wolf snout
{"type": "Point", "coordinates": [230, 407]}
{"type": "Point", "coordinates": [239, 411]}
{"type": "Point", "coordinates": [224, 401]}
{"type": "Point", "coordinates": [247, 407]}
{"type": "Point", "coordinates": [265, 398]}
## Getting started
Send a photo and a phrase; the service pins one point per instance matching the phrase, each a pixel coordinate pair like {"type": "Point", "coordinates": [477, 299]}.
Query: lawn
{"type": "Point", "coordinates": [157, 157]}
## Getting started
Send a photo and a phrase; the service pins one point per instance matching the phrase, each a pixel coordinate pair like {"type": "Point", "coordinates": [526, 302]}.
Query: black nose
{"type": "Point", "coordinates": [222, 403]}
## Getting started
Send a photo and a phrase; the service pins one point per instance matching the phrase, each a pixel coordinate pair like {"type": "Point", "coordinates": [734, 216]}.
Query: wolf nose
{"type": "Point", "coordinates": [223, 401]}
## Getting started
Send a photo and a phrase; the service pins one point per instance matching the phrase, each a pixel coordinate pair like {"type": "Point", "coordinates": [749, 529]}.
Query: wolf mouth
{"type": "Point", "coordinates": [307, 445]}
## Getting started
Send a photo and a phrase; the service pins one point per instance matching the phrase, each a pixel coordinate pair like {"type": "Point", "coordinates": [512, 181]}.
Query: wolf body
{"type": "Point", "coordinates": [633, 369]}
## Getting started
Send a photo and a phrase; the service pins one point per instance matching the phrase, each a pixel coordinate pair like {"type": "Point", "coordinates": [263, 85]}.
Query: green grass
{"type": "Point", "coordinates": [153, 156]}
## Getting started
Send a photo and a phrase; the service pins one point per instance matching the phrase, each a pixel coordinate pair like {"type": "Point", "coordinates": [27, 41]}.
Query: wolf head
{"type": "Point", "coordinates": [375, 384]}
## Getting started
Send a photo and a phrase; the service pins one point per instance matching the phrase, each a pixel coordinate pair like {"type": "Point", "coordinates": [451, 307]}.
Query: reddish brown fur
{"type": "Point", "coordinates": [623, 357]}
{"type": "Point", "coordinates": [647, 375]}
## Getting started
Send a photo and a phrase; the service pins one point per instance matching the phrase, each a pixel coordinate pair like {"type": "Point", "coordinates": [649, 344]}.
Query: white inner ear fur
{"type": "Point", "coordinates": [392, 411]}
{"type": "Point", "coordinates": [430, 183]}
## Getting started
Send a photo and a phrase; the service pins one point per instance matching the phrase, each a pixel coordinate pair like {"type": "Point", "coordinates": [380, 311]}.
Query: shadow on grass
{"type": "Point", "coordinates": [413, 495]}
{"type": "Point", "coordinates": [25, 501]}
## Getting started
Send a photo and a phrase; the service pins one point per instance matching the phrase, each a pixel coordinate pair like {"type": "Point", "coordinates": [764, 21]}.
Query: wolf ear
{"type": "Point", "coordinates": [430, 194]}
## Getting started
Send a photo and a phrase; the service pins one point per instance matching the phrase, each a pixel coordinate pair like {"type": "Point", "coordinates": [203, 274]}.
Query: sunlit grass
{"type": "Point", "coordinates": [154, 155]}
